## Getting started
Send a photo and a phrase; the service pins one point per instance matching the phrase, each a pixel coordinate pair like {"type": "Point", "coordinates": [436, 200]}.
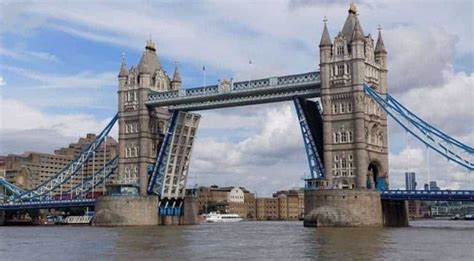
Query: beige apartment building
{"type": "Point", "coordinates": [284, 205]}
{"type": "Point", "coordinates": [235, 200]}
{"type": "Point", "coordinates": [30, 169]}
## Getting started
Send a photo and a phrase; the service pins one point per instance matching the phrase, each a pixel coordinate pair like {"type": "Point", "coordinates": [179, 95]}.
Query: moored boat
{"type": "Point", "coordinates": [214, 217]}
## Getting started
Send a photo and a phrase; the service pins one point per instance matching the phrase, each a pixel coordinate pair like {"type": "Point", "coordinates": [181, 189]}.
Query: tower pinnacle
{"type": "Point", "coordinates": [325, 38]}
{"type": "Point", "coordinates": [380, 47]}
{"type": "Point", "coordinates": [352, 7]}
{"type": "Point", "coordinates": [123, 67]}
{"type": "Point", "coordinates": [150, 44]}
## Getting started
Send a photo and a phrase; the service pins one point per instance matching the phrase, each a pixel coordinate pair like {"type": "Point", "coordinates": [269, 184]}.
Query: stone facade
{"type": "Point", "coordinates": [355, 128]}
{"type": "Point", "coordinates": [142, 129]}
{"type": "Point", "coordinates": [126, 211]}
{"type": "Point", "coordinates": [343, 208]}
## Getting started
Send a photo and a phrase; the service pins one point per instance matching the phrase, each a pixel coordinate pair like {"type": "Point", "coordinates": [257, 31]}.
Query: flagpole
{"type": "Point", "coordinates": [250, 72]}
{"type": "Point", "coordinates": [204, 75]}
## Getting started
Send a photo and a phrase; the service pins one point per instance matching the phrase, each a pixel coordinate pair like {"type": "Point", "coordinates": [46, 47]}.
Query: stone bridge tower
{"type": "Point", "coordinates": [355, 128]}
{"type": "Point", "coordinates": [141, 129]}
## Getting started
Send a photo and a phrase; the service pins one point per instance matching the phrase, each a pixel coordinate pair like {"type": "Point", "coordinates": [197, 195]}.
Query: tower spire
{"type": "Point", "coordinates": [176, 74]}
{"type": "Point", "coordinates": [380, 46]}
{"type": "Point", "coordinates": [352, 7]}
{"type": "Point", "coordinates": [123, 67]}
{"type": "Point", "coordinates": [325, 38]}
{"type": "Point", "coordinates": [357, 34]}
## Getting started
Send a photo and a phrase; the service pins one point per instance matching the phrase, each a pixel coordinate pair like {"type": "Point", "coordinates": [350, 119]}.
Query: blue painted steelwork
{"type": "Point", "coordinates": [41, 191]}
{"type": "Point", "coordinates": [12, 189]}
{"type": "Point", "coordinates": [81, 189]}
{"type": "Point", "coordinates": [315, 162]}
{"type": "Point", "coordinates": [259, 91]}
{"type": "Point", "coordinates": [90, 202]}
{"type": "Point", "coordinates": [429, 195]}
{"type": "Point", "coordinates": [155, 184]}
{"type": "Point", "coordinates": [432, 137]}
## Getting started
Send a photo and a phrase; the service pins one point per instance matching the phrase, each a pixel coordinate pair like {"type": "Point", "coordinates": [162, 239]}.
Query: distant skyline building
{"type": "Point", "coordinates": [410, 180]}
{"type": "Point", "coordinates": [434, 186]}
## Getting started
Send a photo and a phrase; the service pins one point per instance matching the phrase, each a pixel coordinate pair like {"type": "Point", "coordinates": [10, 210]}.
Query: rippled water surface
{"type": "Point", "coordinates": [425, 240]}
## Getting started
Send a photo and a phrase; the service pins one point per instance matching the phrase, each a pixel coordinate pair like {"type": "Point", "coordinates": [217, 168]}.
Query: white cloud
{"type": "Point", "coordinates": [86, 80]}
{"type": "Point", "coordinates": [2, 81]}
{"type": "Point", "coordinates": [24, 55]}
{"type": "Point", "coordinates": [28, 126]}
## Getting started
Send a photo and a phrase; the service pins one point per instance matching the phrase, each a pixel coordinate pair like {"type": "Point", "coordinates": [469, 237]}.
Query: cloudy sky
{"type": "Point", "coordinates": [59, 62]}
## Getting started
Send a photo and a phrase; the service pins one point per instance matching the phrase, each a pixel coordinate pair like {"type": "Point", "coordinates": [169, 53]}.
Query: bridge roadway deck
{"type": "Point", "coordinates": [429, 195]}
{"type": "Point", "coordinates": [259, 91]}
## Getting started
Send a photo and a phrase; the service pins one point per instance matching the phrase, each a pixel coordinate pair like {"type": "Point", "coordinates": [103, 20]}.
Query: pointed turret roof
{"type": "Point", "coordinates": [325, 38]}
{"type": "Point", "coordinates": [380, 47]}
{"type": "Point", "coordinates": [149, 62]}
{"type": "Point", "coordinates": [176, 75]}
{"type": "Point", "coordinates": [350, 23]}
{"type": "Point", "coordinates": [357, 34]}
{"type": "Point", "coordinates": [123, 68]}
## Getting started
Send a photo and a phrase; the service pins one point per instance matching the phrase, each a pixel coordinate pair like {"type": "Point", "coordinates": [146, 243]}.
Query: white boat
{"type": "Point", "coordinates": [214, 217]}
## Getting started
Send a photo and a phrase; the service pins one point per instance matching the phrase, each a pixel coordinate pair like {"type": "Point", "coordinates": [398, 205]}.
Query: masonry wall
{"type": "Point", "coordinates": [344, 208]}
{"type": "Point", "coordinates": [126, 211]}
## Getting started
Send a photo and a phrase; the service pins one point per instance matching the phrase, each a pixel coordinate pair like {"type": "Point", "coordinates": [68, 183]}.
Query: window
{"type": "Point", "coordinates": [338, 135]}
{"type": "Point", "coordinates": [349, 107]}
{"type": "Point", "coordinates": [334, 108]}
{"type": "Point", "coordinates": [340, 50]}
{"type": "Point", "coordinates": [336, 157]}
{"type": "Point", "coordinates": [350, 157]}
{"type": "Point", "coordinates": [349, 136]}
{"type": "Point", "coordinates": [343, 137]}
{"type": "Point", "coordinates": [340, 69]}
{"type": "Point", "coordinates": [343, 108]}
{"type": "Point", "coordinates": [343, 163]}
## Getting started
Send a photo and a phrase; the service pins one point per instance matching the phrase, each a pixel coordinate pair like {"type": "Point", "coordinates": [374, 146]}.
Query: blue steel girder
{"type": "Point", "coordinates": [315, 162]}
{"type": "Point", "coordinates": [429, 195]}
{"type": "Point", "coordinates": [70, 170]}
{"type": "Point", "coordinates": [266, 90]}
{"type": "Point", "coordinates": [46, 204]}
{"type": "Point", "coordinates": [433, 138]}
{"type": "Point", "coordinates": [11, 188]}
{"type": "Point", "coordinates": [86, 186]}
{"type": "Point", "coordinates": [155, 184]}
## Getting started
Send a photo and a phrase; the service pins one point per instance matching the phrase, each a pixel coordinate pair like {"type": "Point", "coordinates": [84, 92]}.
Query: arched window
{"type": "Point", "coordinates": [338, 137]}
{"type": "Point", "coordinates": [343, 107]}
{"type": "Point", "coordinates": [349, 136]}
{"type": "Point", "coordinates": [334, 108]}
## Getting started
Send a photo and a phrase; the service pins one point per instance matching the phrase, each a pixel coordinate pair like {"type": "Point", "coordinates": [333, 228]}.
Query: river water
{"type": "Point", "coordinates": [424, 240]}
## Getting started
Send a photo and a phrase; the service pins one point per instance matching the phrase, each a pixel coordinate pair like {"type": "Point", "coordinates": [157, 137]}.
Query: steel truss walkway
{"type": "Point", "coordinates": [273, 89]}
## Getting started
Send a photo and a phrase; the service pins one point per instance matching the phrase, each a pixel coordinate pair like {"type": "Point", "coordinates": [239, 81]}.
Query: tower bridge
{"type": "Point", "coordinates": [344, 133]}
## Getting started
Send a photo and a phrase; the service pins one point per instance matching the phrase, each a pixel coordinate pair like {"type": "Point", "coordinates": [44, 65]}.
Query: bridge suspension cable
{"type": "Point", "coordinates": [45, 189]}
{"type": "Point", "coordinates": [445, 145]}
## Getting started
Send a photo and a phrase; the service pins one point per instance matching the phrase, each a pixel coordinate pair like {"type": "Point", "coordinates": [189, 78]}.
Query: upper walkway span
{"type": "Point", "coordinates": [228, 94]}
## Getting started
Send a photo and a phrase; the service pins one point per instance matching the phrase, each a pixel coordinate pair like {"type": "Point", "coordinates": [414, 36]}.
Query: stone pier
{"type": "Point", "coordinates": [126, 211]}
{"type": "Point", "coordinates": [342, 208]}
{"type": "Point", "coordinates": [141, 211]}
{"type": "Point", "coordinates": [395, 213]}
{"type": "Point", "coordinates": [2, 218]}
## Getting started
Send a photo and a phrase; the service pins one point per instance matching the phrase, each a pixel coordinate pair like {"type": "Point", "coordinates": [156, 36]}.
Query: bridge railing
{"type": "Point", "coordinates": [242, 86]}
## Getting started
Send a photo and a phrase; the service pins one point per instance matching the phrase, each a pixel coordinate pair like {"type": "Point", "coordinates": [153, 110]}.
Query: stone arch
{"type": "Point", "coordinates": [374, 172]}
{"type": "Point", "coordinates": [345, 184]}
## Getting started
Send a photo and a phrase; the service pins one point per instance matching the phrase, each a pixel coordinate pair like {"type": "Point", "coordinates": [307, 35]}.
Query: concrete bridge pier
{"type": "Point", "coordinates": [2, 218]}
{"type": "Point", "coordinates": [141, 211]}
{"type": "Point", "coordinates": [395, 213]}
{"type": "Point", "coordinates": [342, 208]}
